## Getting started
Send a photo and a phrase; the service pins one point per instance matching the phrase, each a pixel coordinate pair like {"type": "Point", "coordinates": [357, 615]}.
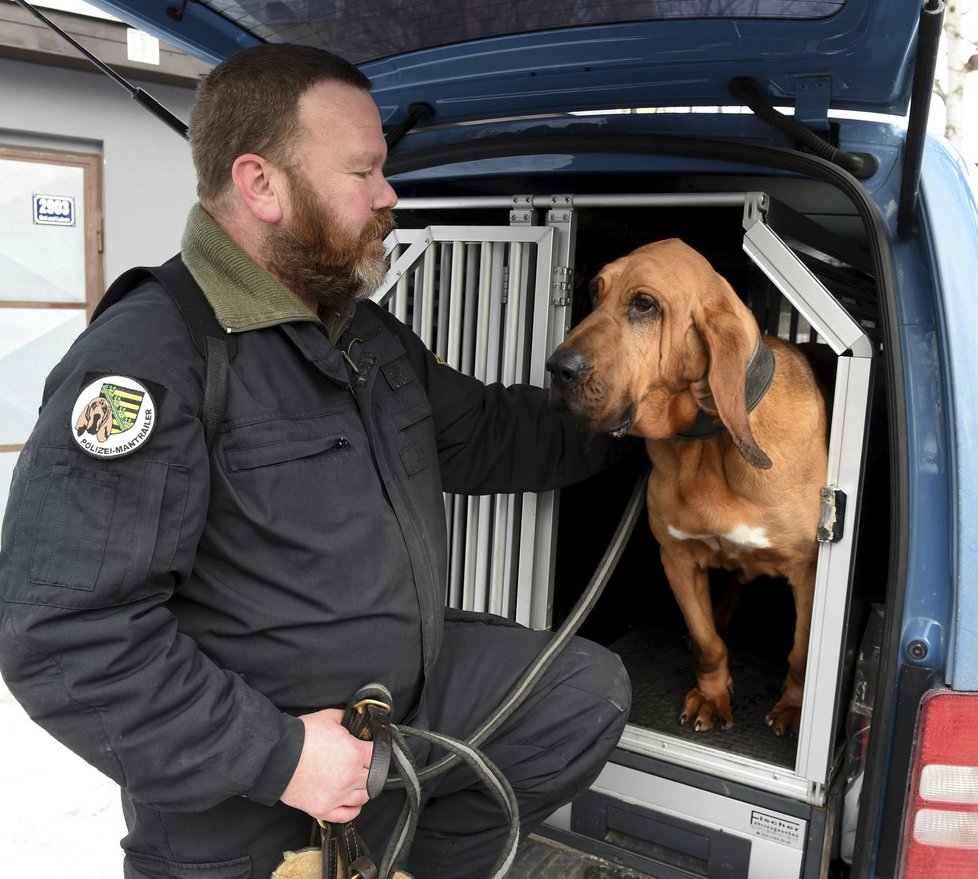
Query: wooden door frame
{"type": "Point", "coordinates": [91, 165]}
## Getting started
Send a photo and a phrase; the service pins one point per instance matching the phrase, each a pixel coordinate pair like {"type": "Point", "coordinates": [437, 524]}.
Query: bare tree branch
{"type": "Point", "coordinates": [960, 56]}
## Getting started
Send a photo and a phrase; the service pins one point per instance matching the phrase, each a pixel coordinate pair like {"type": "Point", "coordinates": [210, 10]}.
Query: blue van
{"type": "Point", "coordinates": [532, 143]}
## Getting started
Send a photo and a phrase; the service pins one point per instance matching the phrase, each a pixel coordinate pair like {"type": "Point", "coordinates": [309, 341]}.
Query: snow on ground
{"type": "Point", "coordinates": [53, 805]}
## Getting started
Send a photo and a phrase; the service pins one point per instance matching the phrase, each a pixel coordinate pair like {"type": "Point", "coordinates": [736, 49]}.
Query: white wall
{"type": "Point", "coordinates": [148, 187]}
{"type": "Point", "coordinates": [148, 178]}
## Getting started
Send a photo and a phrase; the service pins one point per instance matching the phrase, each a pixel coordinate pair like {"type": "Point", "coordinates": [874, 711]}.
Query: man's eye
{"type": "Point", "coordinates": [644, 305]}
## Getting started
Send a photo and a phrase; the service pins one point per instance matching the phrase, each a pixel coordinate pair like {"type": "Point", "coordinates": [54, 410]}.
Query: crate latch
{"type": "Point", "coordinates": [832, 515]}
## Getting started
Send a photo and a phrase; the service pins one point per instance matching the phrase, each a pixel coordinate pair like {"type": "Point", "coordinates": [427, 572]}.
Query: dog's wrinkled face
{"type": "Point", "coordinates": [96, 419]}
{"type": "Point", "coordinates": [667, 337]}
{"type": "Point", "coordinates": [622, 367]}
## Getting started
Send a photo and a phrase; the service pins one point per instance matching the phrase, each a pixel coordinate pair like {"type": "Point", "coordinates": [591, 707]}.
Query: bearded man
{"type": "Point", "coordinates": [192, 620]}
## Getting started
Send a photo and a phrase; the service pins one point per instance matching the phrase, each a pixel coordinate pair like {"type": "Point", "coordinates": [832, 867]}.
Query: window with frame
{"type": "Point", "coordinates": [50, 277]}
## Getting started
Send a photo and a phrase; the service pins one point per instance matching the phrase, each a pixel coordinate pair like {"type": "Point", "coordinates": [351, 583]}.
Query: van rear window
{"type": "Point", "coordinates": [364, 30]}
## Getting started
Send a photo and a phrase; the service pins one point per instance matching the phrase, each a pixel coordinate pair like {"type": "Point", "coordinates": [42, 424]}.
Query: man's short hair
{"type": "Point", "coordinates": [249, 104]}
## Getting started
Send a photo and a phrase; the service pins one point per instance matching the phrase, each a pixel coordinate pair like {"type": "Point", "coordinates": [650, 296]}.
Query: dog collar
{"type": "Point", "coordinates": [760, 374]}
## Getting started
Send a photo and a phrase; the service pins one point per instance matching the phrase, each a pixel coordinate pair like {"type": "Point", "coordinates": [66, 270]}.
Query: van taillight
{"type": "Point", "coordinates": [940, 836]}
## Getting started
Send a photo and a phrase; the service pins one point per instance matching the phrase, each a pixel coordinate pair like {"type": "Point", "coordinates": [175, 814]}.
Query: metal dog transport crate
{"type": "Point", "coordinates": [488, 282]}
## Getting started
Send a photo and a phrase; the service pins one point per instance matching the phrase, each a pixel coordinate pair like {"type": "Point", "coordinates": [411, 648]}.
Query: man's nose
{"type": "Point", "coordinates": [385, 197]}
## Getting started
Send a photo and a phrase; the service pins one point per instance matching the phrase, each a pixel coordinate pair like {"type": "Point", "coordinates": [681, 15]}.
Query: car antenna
{"type": "Point", "coordinates": [140, 96]}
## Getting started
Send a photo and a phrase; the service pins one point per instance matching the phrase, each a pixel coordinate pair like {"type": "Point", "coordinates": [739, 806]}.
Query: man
{"type": "Point", "coordinates": [193, 622]}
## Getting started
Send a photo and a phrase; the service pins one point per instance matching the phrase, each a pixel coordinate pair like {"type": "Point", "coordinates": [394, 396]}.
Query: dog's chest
{"type": "Point", "coordinates": [735, 545]}
{"type": "Point", "coordinates": [734, 541]}
{"type": "Point", "coordinates": [703, 508]}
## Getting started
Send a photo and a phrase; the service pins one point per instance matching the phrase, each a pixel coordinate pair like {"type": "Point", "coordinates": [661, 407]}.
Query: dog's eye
{"type": "Point", "coordinates": [643, 305]}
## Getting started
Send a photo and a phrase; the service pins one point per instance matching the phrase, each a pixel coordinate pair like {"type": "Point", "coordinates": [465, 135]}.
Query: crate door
{"type": "Point", "coordinates": [479, 298]}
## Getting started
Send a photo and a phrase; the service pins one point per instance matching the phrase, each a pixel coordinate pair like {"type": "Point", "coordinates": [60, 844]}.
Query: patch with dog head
{"type": "Point", "coordinates": [113, 416]}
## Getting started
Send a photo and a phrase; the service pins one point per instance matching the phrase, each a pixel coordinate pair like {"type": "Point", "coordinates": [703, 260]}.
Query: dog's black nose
{"type": "Point", "coordinates": [566, 367]}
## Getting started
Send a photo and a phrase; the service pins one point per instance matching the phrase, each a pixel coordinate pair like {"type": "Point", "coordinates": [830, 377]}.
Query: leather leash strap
{"type": "Point", "coordinates": [342, 838]}
{"type": "Point", "coordinates": [368, 718]}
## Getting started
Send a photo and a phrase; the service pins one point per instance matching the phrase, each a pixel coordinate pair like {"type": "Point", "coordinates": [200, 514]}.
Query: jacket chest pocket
{"type": "Point", "coordinates": [286, 451]}
{"type": "Point", "coordinates": [296, 462]}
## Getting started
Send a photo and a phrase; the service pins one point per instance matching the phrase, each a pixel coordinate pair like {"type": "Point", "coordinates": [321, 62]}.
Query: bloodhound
{"type": "Point", "coordinates": [736, 427]}
{"type": "Point", "coordinates": [96, 418]}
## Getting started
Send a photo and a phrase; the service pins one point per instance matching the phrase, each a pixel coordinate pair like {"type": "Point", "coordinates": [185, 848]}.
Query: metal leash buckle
{"type": "Point", "coordinates": [367, 716]}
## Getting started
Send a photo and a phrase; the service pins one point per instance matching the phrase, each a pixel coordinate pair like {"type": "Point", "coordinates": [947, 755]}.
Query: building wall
{"type": "Point", "coordinates": [147, 175]}
{"type": "Point", "coordinates": [148, 185]}
{"type": "Point", "coordinates": [148, 181]}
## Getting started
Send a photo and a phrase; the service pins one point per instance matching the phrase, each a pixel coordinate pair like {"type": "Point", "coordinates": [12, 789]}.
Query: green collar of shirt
{"type": "Point", "coordinates": [243, 295]}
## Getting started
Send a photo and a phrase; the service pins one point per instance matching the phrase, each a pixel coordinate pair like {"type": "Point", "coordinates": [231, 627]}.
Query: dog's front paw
{"type": "Point", "coordinates": [785, 717]}
{"type": "Point", "coordinates": [702, 712]}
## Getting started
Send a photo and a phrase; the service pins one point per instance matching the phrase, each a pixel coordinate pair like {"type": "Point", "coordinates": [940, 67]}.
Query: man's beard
{"type": "Point", "coordinates": [318, 260]}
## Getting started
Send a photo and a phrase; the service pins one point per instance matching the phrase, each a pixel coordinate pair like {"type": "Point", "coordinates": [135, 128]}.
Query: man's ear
{"type": "Point", "coordinates": [261, 186]}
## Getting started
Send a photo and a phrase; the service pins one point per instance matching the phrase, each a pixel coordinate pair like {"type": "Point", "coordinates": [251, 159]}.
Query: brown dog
{"type": "Point", "coordinates": [669, 349]}
{"type": "Point", "coordinates": [96, 418]}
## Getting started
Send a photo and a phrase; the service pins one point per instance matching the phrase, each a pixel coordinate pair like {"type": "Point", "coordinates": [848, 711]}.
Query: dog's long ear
{"type": "Point", "coordinates": [84, 420]}
{"type": "Point", "coordinates": [729, 332]}
{"type": "Point", "coordinates": [105, 423]}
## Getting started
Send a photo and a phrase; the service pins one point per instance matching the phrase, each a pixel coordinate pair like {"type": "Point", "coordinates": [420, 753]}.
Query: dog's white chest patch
{"type": "Point", "coordinates": [745, 536]}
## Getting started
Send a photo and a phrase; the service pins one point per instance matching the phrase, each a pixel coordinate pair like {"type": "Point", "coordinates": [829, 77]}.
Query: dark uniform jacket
{"type": "Point", "coordinates": [166, 612]}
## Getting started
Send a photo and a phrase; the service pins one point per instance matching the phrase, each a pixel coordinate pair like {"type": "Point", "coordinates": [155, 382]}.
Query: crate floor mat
{"type": "Point", "coordinates": [542, 858]}
{"type": "Point", "coordinates": [660, 664]}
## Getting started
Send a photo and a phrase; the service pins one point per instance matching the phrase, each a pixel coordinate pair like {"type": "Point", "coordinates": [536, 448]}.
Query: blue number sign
{"type": "Point", "coordinates": [54, 210]}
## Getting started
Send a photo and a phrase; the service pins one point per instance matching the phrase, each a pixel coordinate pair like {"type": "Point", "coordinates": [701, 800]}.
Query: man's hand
{"type": "Point", "coordinates": [330, 781]}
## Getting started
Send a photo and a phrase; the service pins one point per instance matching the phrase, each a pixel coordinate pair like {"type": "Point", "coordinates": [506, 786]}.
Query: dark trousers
{"type": "Point", "coordinates": [551, 749]}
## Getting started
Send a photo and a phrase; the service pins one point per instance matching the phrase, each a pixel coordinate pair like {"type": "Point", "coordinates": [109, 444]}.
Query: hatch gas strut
{"type": "Point", "coordinates": [143, 98]}
{"type": "Point", "coordinates": [417, 112]}
{"type": "Point", "coordinates": [928, 40]}
{"type": "Point", "coordinates": [863, 165]}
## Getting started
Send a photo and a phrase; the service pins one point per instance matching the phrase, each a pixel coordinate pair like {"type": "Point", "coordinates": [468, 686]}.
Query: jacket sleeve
{"type": "Point", "coordinates": [498, 439]}
{"type": "Point", "coordinates": [93, 549]}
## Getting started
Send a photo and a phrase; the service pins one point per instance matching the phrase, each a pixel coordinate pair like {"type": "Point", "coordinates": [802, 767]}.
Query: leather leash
{"type": "Point", "coordinates": [530, 678]}
{"type": "Point", "coordinates": [343, 854]}
{"type": "Point", "coordinates": [367, 717]}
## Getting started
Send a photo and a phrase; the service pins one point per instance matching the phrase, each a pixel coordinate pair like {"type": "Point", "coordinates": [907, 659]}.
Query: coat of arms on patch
{"type": "Point", "coordinates": [113, 416]}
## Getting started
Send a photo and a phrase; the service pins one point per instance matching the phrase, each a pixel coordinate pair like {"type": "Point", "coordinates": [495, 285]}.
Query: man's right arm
{"type": "Point", "coordinates": [330, 781]}
{"type": "Point", "coordinates": [93, 549]}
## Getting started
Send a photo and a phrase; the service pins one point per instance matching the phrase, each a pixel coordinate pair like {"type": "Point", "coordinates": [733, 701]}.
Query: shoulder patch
{"type": "Point", "coordinates": [113, 416]}
{"type": "Point", "coordinates": [396, 375]}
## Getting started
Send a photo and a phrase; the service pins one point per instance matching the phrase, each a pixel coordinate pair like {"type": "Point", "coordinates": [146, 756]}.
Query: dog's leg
{"type": "Point", "coordinates": [727, 604]}
{"type": "Point", "coordinates": [785, 717]}
{"type": "Point", "coordinates": [708, 703]}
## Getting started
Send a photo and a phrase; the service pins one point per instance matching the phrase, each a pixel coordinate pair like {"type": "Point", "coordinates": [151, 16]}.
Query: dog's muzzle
{"type": "Point", "coordinates": [566, 367]}
{"type": "Point", "coordinates": [571, 390]}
